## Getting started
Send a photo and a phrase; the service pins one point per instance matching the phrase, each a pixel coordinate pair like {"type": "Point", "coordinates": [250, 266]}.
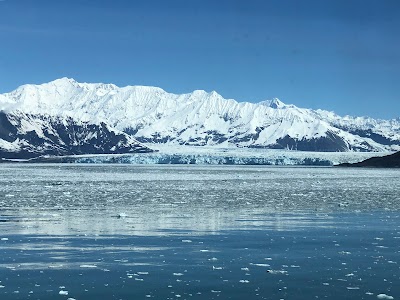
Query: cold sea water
{"type": "Point", "coordinates": [198, 232]}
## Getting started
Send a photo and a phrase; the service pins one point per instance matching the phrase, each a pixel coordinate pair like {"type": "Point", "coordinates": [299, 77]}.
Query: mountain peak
{"type": "Point", "coordinates": [274, 103]}
{"type": "Point", "coordinates": [64, 80]}
{"type": "Point", "coordinates": [202, 118]}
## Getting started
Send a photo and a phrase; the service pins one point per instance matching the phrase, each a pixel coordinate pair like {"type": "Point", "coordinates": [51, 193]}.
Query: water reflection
{"type": "Point", "coordinates": [165, 221]}
{"type": "Point", "coordinates": [127, 232]}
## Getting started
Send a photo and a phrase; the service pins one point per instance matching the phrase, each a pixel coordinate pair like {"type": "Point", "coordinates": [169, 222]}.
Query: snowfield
{"type": "Point", "coordinates": [151, 115]}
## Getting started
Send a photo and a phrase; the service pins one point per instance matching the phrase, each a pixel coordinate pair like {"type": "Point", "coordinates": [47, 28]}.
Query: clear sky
{"type": "Point", "coordinates": [340, 55]}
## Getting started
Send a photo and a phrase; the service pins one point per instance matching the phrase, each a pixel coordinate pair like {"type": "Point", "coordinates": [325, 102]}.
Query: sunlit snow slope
{"type": "Point", "coordinates": [153, 115]}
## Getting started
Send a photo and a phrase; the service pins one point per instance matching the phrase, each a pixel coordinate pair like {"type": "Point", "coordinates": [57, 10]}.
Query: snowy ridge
{"type": "Point", "coordinates": [199, 118]}
{"type": "Point", "coordinates": [25, 136]}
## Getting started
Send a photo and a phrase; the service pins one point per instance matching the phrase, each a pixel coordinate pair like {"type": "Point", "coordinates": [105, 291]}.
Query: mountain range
{"type": "Point", "coordinates": [67, 117]}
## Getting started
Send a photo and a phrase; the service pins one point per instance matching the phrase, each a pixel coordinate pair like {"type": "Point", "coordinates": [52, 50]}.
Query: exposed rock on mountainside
{"type": "Point", "coordinates": [149, 114]}
{"type": "Point", "coordinates": [25, 136]}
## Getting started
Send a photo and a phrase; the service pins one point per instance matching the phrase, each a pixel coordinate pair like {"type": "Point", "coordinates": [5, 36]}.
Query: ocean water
{"type": "Point", "coordinates": [198, 232]}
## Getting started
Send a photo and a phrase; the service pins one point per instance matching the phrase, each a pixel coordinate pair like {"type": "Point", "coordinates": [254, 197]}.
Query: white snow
{"type": "Point", "coordinates": [192, 118]}
{"type": "Point", "coordinates": [169, 154]}
{"type": "Point", "coordinates": [9, 146]}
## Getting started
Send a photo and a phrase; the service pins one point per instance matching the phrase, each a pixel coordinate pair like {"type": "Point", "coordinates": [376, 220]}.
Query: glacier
{"type": "Point", "coordinates": [207, 155]}
{"type": "Point", "coordinates": [149, 115]}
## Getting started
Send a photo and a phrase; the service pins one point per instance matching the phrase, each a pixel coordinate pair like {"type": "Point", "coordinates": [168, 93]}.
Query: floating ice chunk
{"type": "Point", "coordinates": [217, 268]}
{"type": "Point", "coordinates": [186, 241]}
{"type": "Point", "coordinates": [71, 299]}
{"type": "Point", "coordinates": [204, 250]}
{"type": "Point", "coordinates": [353, 288]}
{"type": "Point", "coordinates": [2, 286]}
{"type": "Point", "coordinates": [277, 271]}
{"type": "Point", "coordinates": [244, 281]}
{"type": "Point", "coordinates": [55, 266]}
{"type": "Point", "coordinates": [384, 296]}
{"type": "Point", "coordinates": [213, 291]}
{"type": "Point", "coordinates": [139, 279]}
{"type": "Point", "coordinates": [261, 265]}
{"type": "Point", "coordinates": [143, 273]}
{"type": "Point", "coordinates": [64, 293]}
{"type": "Point", "coordinates": [88, 266]}
{"type": "Point", "coordinates": [244, 269]}
{"type": "Point", "coordinates": [177, 274]}
{"type": "Point", "coordinates": [4, 239]}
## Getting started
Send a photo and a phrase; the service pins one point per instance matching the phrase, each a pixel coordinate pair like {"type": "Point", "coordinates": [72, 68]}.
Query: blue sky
{"type": "Point", "coordinates": [340, 55]}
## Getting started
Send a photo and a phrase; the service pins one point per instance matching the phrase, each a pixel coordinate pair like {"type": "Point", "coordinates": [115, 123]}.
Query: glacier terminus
{"type": "Point", "coordinates": [65, 117]}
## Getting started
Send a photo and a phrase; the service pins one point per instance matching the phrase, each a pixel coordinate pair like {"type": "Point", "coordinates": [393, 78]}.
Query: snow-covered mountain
{"type": "Point", "coordinates": [153, 115]}
{"type": "Point", "coordinates": [25, 136]}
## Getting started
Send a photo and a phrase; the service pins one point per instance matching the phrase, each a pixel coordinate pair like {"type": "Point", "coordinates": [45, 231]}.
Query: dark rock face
{"type": "Point", "coordinates": [389, 161]}
{"type": "Point", "coordinates": [330, 143]}
{"type": "Point", "coordinates": [369, 133]}
{"type": "Point", "coordinates": [30, 136]}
